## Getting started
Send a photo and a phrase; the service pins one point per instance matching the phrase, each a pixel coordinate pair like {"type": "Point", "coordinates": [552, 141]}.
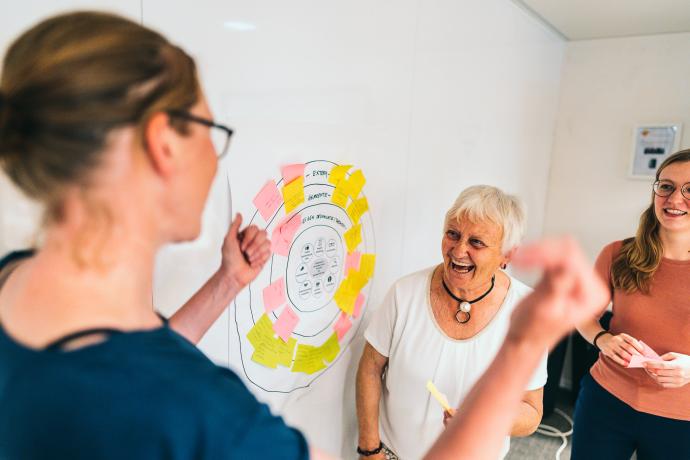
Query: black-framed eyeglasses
{"type": "Point", "coordinates": [220, 134]}
{"type": "Point", "coordinates": [664, 188]}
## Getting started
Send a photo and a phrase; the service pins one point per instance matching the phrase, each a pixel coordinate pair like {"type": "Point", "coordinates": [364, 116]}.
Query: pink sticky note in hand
{"type": "Point", "coordinates": [274, 295]}
{"type": "Point", "coordinates": [358, 305]}
{"type": "Point", "coordinates": [648, 351]}
{"type": "Point", "coordinates": [268, 200]}
{"type": "Point", "coordinates": [342, 325]}
{"type": "Point", "coordinates": [639, 360]}
{"type": "Point", "coordinates": [292, 172]}
{"type": "Point", "coordinates": [286, 323]}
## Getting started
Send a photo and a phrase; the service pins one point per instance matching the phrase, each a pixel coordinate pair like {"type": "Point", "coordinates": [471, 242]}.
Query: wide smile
{"type": "Point", "coordinates": [674, 213]}
{"type": "Point", "coordinates": [461, 267]}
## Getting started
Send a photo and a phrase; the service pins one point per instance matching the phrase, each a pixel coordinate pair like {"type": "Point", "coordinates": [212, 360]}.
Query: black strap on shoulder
{"type": "Point", "coordinates": [16, 255]}
{"type": "Point", "coordinates": [62, 341]}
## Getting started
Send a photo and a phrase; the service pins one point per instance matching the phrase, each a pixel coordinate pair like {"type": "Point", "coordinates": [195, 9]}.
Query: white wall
{"type": "Point", "coordinates": [608, 87]}
{"type": "Point", "coordinates": [426, 97]}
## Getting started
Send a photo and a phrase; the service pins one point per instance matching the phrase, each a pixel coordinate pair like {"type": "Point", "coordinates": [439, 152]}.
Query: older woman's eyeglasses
{"type": "Point", "coordinates": [220, 134]}
{"type": "Point", "coordinates": [664, 188]}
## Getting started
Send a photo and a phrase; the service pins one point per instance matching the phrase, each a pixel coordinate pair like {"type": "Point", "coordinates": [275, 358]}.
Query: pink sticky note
{"type": "Point", "coordinates": [358, 305]}
{"type": "Point", "coordinates": [283, 233]}
{"type": "Point", "coordinates": [268, 200]}
{"type": "Point", "coordinates": [352, 261]}
{"type": "Point", "coordinates": [274, 295]}
{"type": "Point", "coordinates": [286, 323]}
{"type": "Point", "coordinates": [291, 226]}
{"type": "Point", "coordinates": [292, 172]}
{"type": "Point", "coordinates": [342, 325]}
{"type": "Point", "coordinates": [638, 360]}
{"type": "Point", "coordinates": [648, 351]}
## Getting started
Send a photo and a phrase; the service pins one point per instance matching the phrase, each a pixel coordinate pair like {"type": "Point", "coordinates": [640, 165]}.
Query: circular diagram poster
{"type": "Point", "coordinates": [301, 312]}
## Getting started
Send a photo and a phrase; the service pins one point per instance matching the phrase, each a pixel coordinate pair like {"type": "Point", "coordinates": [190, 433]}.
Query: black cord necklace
{"type": "Point", "coordinates": [464, 306]}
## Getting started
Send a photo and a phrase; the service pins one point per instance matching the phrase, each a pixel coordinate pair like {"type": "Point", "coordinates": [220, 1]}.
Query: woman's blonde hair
{"type": "Point", "coordinates": [484, 202]}
{"type": "Point", "coordinates": [72, 79]}
{"type": "Point", "coordinates": [639, 257]}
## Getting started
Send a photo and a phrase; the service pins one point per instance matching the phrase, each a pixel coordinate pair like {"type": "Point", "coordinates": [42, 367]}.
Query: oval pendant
{"type": "Point", "coordinates": [462, 316]}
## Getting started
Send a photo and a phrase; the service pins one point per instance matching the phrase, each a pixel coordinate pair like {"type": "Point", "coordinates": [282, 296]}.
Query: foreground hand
{"type": "Point", "coordinates": [619, 348]}
{"type": "Point", "coordinates": [672, 372]}
{"type": "Point", "coordinates": [447, 415]}
{"type": "Point", "coordinates": [244, 252]}
{"type": "Point", "coordinates": [569, 293]}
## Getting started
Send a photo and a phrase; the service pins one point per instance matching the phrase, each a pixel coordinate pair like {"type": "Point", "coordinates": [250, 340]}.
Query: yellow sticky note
{"type": "Point", "coordinates": [366, 265]}
{"type": "Point", "coordinates": [355, 183]}
{"type": "Point", "coordinates": [338, 173]}
{"type": "Point", "coordinates": [308, 359]}
{"type": "Point", "coordinates": [357, 281]}
{"type": "Point", "coordinates": [261, 332]}
{"type": "Point", "coordinates": [345, 297]}
{"type": "Point", "coordinates": [440, 397]}
{"type": "Point", "coordinates": [357, 208]}
{"type": "Point", "coordinates": [339, 196]}
{"type": "Point", "coordinates": [293, 194]}
{"type": "Point", "coordinates": [285, 351]}
{"type": "Point", "coordinates": [353, 237]}
{"type": "Point", "coordinates": [265, 356]}
{"type": "Point", "coordinates": [330, 348]}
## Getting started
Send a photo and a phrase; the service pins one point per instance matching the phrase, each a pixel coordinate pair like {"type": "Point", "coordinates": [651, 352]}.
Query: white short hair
{"type": "Point", "coordinates": [483, 202]}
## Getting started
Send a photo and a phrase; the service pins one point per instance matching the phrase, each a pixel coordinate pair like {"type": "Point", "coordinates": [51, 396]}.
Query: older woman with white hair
{"type": "Point", "coordinates": [444, 324]}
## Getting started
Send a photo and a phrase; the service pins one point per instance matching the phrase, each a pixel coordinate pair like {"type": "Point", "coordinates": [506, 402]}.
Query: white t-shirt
{"type": "Point", "coordinates": [404, 329]}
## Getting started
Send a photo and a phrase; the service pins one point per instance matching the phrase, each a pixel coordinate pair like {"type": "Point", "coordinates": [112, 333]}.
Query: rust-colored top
{"type": "Point", "coordinates": [661, 319]}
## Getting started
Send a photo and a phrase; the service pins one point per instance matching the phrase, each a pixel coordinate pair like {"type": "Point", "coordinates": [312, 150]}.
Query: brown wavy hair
{"type": "Point", "coordinates": [639, 257]}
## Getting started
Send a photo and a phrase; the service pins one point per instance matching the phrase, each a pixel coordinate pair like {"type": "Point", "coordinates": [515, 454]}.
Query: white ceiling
{"type": "Point", "coordinates": [591, 19]}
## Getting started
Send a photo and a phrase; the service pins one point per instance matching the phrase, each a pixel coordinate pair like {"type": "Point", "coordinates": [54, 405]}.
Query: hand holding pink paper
{"type": "Point", "coordinates": [648, 354]}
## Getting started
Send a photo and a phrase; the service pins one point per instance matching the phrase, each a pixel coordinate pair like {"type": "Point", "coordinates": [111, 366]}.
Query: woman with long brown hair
{"type": "Point", "coordinates": [633, 399]}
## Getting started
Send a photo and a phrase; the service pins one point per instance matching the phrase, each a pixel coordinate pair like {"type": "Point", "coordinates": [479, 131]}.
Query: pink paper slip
{"type": "Point", "coordinates": [286, 323]}
{"type": "Point", "coordinates": [268, 200]}
{"type": "Point", "coordinates": [292, 172]}
{"type": "Point", "coordinates": [274, 295]}
{"type": "Point", "coordinates": [342, 325]}
{"type": "Point", "coordinates": [282, 235]}
{"type": "Point", "coordinates": [648, 352]}
{"type": "Point", "coordinates": [352, 261]}
{"type": "Point", "coordinates": [638, 360]}
{"type": "Point", "coordinates": [358, 305]}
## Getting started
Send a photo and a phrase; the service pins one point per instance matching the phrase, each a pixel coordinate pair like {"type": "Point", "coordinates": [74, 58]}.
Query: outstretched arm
{"type": "Point", "coordinates": [244, 254]}
{"type": "Point", "coordinates": [569, 293]}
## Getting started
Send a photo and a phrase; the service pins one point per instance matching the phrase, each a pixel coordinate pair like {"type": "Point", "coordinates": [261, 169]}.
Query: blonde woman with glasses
{"type": "Point", "coordinates": [633, 399]}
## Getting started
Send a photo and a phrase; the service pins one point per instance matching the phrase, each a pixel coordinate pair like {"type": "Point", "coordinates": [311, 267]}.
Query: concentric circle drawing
{"type": "Point", "coordinates": [302, 311]}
